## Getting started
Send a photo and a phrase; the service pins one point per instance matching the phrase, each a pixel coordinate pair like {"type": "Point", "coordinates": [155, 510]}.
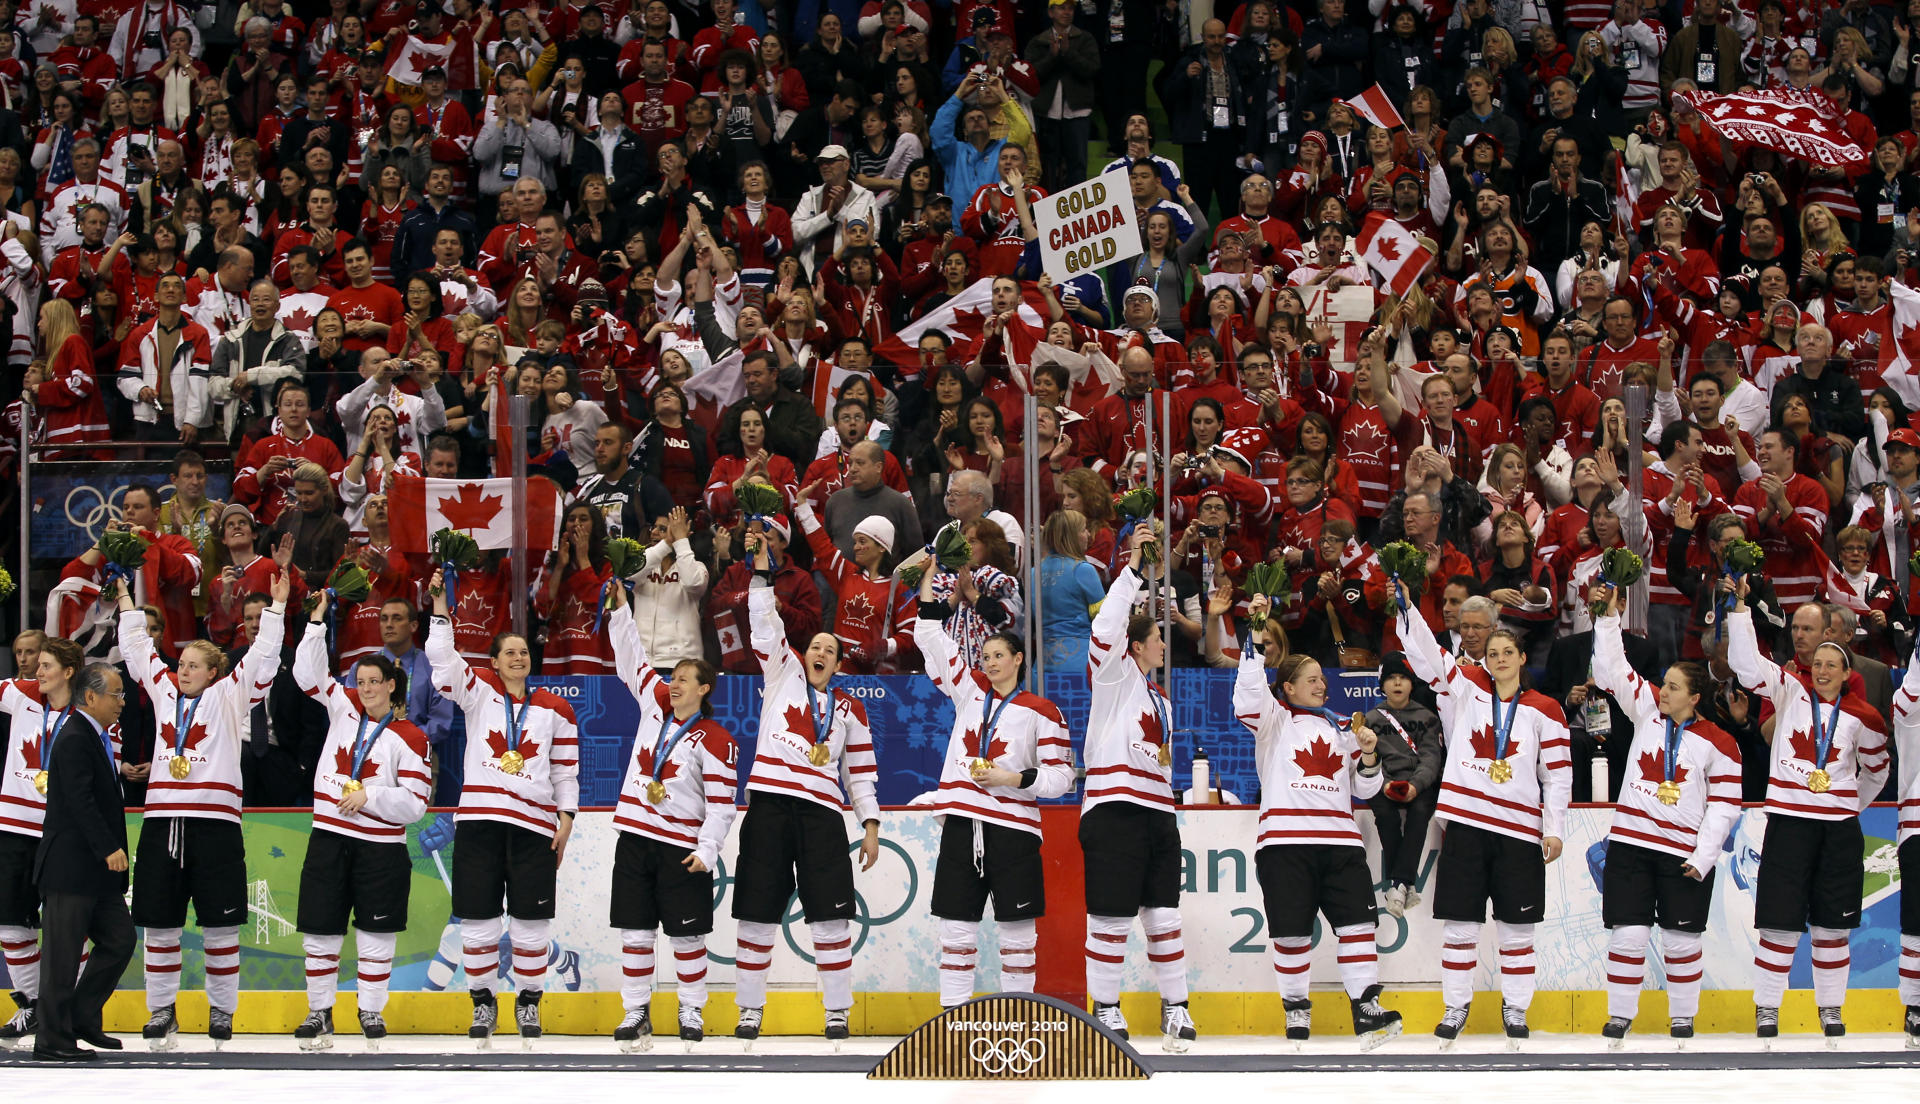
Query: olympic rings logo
{"type": "Point", "coordinates": [865, 917]}
{"type": "Point", "coordinates": [1007, 1055]}
{"type": "Point", "coordinates": [89, 509]}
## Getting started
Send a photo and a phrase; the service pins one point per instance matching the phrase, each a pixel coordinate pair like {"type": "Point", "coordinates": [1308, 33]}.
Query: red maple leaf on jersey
{"type": "Point", "coordinates": [645, 759]}
{"type": "Point", "coordinates": [995, 747]}
{"type": "Point", "coordinates": [1387, 248]}
{"type": "Point", "coordinates": [1484, 745]}
{"type": "Point", "coordinates": [30, 754]}
{"type": "Point", "coordinates": [1653, 767]}
{"type": "Point", "coordinates": [470, 508]}
{"type": "Point", "coordinates": [1318, 759]}
{"type": "Point", "coordinates": [195, 734]}
{"type": "Point", "coordinates": [1804, 747]}
{"type": "Point", "coordinates": [799, 723]}
{"type": "Point", "coordinates": [1366, 441]}
{"type": "Point", "coordinates": [343, 764]}
{"type": "Point", "coordinates": [1150, 729]}
{"type": "Point", "coordinates": [497, 743]}
{"type": "Point", "coordinates": [298, 319]}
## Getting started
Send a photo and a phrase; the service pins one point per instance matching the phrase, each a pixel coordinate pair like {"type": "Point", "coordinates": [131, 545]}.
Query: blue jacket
{"type": "Point", "coordinates": [413, 243]}
{"type": "Point", "coordinates": [965, 168]}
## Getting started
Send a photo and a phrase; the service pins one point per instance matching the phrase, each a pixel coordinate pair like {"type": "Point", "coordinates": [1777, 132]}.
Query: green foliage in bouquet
{"type": "Point", "coordinates": [1403, 561]}
{"type": "Point", "coordinates": [1137, 507]}
{"type": "Point", "coordinates": [626, 556]}
{"type": "Point", "coordinates": [950, 549]}
{"type": "Point", "coordinates": [1272, 580]}
{"type": "Point", "coordinates": [1745, 557]}
{"type": "Point", "coordinates": [349, 584]}
{"type": "Point", "coordinates": [125, 552]}
{"type": "Point", "coordinates": [453, 551]}
{"type": "Point", "coordinates": [759, 499]}
{"type": "Point", "coordinates": [1619, 568]}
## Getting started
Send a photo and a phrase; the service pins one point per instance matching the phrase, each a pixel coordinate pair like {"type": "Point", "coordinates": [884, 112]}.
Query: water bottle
{"type": "Point", "coordinates": [1202, 791]}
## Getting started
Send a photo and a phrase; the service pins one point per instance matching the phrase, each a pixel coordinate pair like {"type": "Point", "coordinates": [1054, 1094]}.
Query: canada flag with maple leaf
{"type": "Point", "coordinates": [1393, 252]}
{"type": "Point", "coordinates": [1318, 760]}
{"type": "Point", "coordinates": [1653, 767]}
{"type": "Point", "coordinates": [481, 508]}
{"type": "Point", "coordinates": [415, 56]}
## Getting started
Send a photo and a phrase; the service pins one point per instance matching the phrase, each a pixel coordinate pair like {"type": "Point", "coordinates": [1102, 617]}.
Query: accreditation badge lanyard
{"type": "Point", "coordinates": [667, 742]}
{"type": "Point", "coordinates": [363, 743]}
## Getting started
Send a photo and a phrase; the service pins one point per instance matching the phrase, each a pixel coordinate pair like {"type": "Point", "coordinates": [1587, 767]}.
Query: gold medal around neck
{"type": "Point", "coordinates": [979, 765]}
{"type": "Point", "coordinates": [656, 792]}
{"type": "Point", "coordinates": [1166, 755]}
{"type": "Point", "coordinates": [40, 783]}
{"type": "Point", "coordinates": [1500, 771]}
{"type": "Point", "coordinates": [1819, 781]}
{"type": "Point", "coordinates": [1668, 793]}
{"type": "Point", "coordinates": [819, 754]}
{"type": "Point", "coordinates": [351, 785]}
{"type": "Point", "coordinates": [512, 761]}
{"type": "Point", "coordinates": [179, 767]}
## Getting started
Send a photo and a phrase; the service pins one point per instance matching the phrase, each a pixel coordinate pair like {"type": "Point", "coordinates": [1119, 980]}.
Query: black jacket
{"type": "Point", "coordinates": [1189, 111]}
{"type": "Point", "coordinates": [85, 820]}
{"type": "Point", "coordinates": [1769, 620]}
{"type": "Point", "coordinates": [631, 166]}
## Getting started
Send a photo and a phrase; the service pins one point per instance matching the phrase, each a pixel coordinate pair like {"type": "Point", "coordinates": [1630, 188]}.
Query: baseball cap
{"type": "Point", "coordinates": [232, 510]}
{"type": "Point", "coordinates": [835, 152]}
{"type": "Point", "coordinates": [1904, 436]}
{"type": "Point", "coordinates": [858, 221]}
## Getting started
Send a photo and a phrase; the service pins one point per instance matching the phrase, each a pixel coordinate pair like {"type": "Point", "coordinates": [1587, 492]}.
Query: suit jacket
{"type": "Point", "coordinates": [1878, 680]}
{"type": "Point", "coordinates": [1570, 663]}
{"type": "Point", "coordinates": [85, 820]}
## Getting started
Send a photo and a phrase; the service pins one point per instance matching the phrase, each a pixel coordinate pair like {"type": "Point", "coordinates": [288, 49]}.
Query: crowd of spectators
{"type": "Point", "coordinates": [324, 244]}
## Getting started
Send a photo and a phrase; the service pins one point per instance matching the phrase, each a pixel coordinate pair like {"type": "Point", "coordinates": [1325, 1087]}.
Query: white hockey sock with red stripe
{"type": "Point", "coordinates": [959, 952]}
{"type": "Point", "coordinates": [1166, 951]}
{"type": "Point", "coordinates": [1459, 954]}
{"type": "Point", "coordinates": [690, 968]}
{"type": "Point", "coordinates": [1516, 962]}
{"type": "Point", "coordinates": [21, 948]}
{"type": "Point", "coordinates": [1682, 954]}
{"type": "Point", "coordinates": [222, 947]}
{"type": "Point", "coordinates": [1910, 969]}
{"type": "Point", "coordinates": [323, 969]}
{"type": "Point", "coordinates": [1772, 958]}
{"type": "Point", "coordinates": [753, 949]}
{"type": "Point", "coordinates": [531, 940]}
{"type": "Point", "coordinates": [1832, 962]}
{"type": "Point", "coordinates": [162, 967]}
{"type": "Point", "coordinates": [480, 951]}
{"type": "Point", "coordinates": [1359, 959]}
{"type": "Point", "coordinates": [1293, 966]}
{"type": "Point", "coordinates": [1626, 968]}
{"type": "Point", "coordinates": [376, 968]}
{"type": "Point", "coordinates": [833, 958]}
{"type": "Point", "coordinates": [1019, 944]}
{"type": "Point", "coordinates": [636, 968]}
{"type": "Point", "coordinates": [1106, 956]}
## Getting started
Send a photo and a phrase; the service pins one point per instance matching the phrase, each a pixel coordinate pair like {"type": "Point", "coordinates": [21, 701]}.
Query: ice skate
{"type": "Point", "coordinates": [1832, 1026]}
{"type": "Point", "coordinates": [1913, 1027]}
{"type": "Point", "coordinates": [1515, 1021]}
{"type": "Point", "coordinates": [485, 1015]}
{"type": "Point", "coordinates": [162, 1032]}
{"type": "Point", "coordinates": [693, 1026]}
{"type": "Point", "coordinates": [1372, 1023]}
{"type": "Point", "coordinates": [1299, 1020]}
{"type": "Point", "coordinates": [836, 1027]}
{"type": "Point", "coordinates": [1176, 1027]}
{"type": "Point", "coordinates": [219, 1027]}
{"type": "Point", "coordinates": [26, 1021]}
{"type": "Point", "coordinates": [1766, 1023]}
{"type": "Point", "coordinates": [1448, 1029]}
{"type": "Point", "coordinates": [1615, 1032]}
{"type": "Point", "coordinates": [1110, 1018]}
{"type": "Point", "coordinates": [635, 1033]}
{"type": "Point", "coordinates": [316, 1031]}
{"type": "Point", "coordinates": [749, 1026]}
{"type": "Point", "coordinates": [526, 1013]}
{"type": "Point", "coordinates": [373, 1028]}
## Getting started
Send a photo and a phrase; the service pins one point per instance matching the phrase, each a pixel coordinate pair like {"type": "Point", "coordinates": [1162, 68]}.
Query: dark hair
{"type": "Point", "coordinates": [1055, 372]}
{"type": "Point", "coordinates": [352, 244]}
{"type": "Point", "coordinates": [188, 458]}
{"type": "Point", "coordinates": [1014, 644]}
{"type": "Point", "coordinates": [963, 435]}
{"type": "Point", "coordinates": [500, 642]}
{"type": "Point", "coordinates": [1289, 667]}
{"type": "Point", "coordinates": [1139, 627]}
{"type": "Point", "coordinates": [704, 673]}
{"type": "Point", "coordinates": [434, 305]}
{"type": "Point", "coordinates": [1219, 412]}
{"type": "Point", "coordinates": [64, 652]}
{"type": "Point", "coordinates": [1675, 435]}
{"type": "Point", "coordinates": [1699, 679]}
{"type": "Point", "coordinates": [152, 497]}
{"type": "Point", "coordinates": [596, 534]}
{"type": "Point", "coordinates": [390, 671]}
{"type": "Point", "coordinates": [857, 404]}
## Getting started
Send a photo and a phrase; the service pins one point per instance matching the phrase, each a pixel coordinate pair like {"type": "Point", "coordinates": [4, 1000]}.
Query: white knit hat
{"type": "Point", "coordinates": [877, 529]}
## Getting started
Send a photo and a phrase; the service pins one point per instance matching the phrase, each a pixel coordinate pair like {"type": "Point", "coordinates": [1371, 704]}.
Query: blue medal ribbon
{"type": "Point", "coordinates": [1824, 734]}
{"type": "Point", "coordinates": [1502, 731]}
{"type": "Point", "coordinates": [363, 743]}
{"type": "Point", "coordinates": [664, 745]}
{"type": "Point", "coordinates": [1674, 734]}
{"type": "Point", "coordinates": [1159, 701]}
{"type": "Point", "coordinates": [822, 722]}
{"type": "Point", "coordinates": [180, 725]}
{"type": "Point", "coordinates": [515, 725]}
{"type": "Point", "coordinates": [989, 720]}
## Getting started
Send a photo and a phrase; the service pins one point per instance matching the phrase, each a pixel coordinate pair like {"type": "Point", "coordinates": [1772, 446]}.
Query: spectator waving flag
{"type": "Point", "coordinates": [1900, 358]}
{"type": "Point", "coordinates": [1393, 252]}
{"type": "Point", "coordinates": [1377, 108]}
{"type": "Point", "coordinates": [963, 319]}
{"type": "Point", "coordinates": [481, 508]}
{"type": "Point", "coordinates": [415, 56]}
{"type": "Point", "coordinates": [1807, 127]}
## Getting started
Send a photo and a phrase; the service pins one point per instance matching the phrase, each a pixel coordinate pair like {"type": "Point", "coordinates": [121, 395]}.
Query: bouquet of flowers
{"type": "Point", "coordinates": [454, 552]}
{"type": "Point", "coordinates": [1620, 568]}
{"type": "Point", "coordinates": [950, 550]}
{"type": "Point", "coordinates": [626, 556]}
{"type": "Point", "coordinates": [759, 499]}
{"type": "Point", "coordinates": [348, 584]}
{"type": "Point", "coordinates": [1405, 563]}
{"type": "Point", "coordinates": [1744, 557]}
{"type": "Point", "coordinates": [125, 552]}
{"type": "Point", "coordinates": [1137, 507]}
{"type": "Point", "coordinates": [1272, 580]}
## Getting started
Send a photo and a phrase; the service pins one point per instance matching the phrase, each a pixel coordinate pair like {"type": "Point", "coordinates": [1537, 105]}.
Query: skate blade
{"type": "Point", "coordinates": [1681, 1044]}
{"type": "Point", "coordinates": [1833, 1043]}
{"type": "Point", "coordinates": [637, 1046]}
{"type": "Point", "coordinates": [687, 1046]}
{"type": "Point", "coordinates": [161, 1046]}
{"type": "Point", "coordinates": [1516, 1045]}
{"type": "Point", "coordinates": [1617, 1044]}
{"type": "Point", "coordinates": [1913, 1042]}
{"type": "Point", "coordinates": [322, 1043]}
{"type": "Point", "coordinates": [527, 1041]}
{"type": "Point", "coordinates": [373, 1046]}
{"type": "Point", "coordinates": [9, 1044]}
{"type": "Point", "coordinates": [484, 1042]}
{"type": "Point", "coordinates": [1373, 1040]}
{"type": "Point", "coordinates": [1447, 1044]}
{"type": "Point", "coordinates": [1174, 1044]}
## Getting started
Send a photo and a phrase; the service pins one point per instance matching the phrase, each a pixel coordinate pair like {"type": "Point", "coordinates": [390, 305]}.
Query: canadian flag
{"type": "Point", "coordinates": [1840, 590]}
{"type": "Point", "coordinates": [1900, 358]}
{"type": "Point", "coordinates": [963, 319]}
{"type": "Point", "coordinates": [1392, 251]}
{"type": "Point", "coordinates": [1377, 107]}
{"type": "Point", "coordinates": [418, 507]}
{"type": "Point", "coordinates": [415, 57]}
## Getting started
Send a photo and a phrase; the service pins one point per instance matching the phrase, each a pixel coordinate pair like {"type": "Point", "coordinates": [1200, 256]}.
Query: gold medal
{"type": "Point", "coordinates": [979, 765]}
{"type": "Point", "coordinates": [1669, 792]}
{"type": "Point", "coordinates": [179, 767]}
{"type": "Point", "coordinates": [819, 754]}
{"type": "Point", "coordinates": [1166, 755]}
{"type": "Point", "coordinates": [656, 791]}
{"type": "Point", "coordinates": [512, 761]}
{"type": "Point", "coordinates": [1819, 781]}
{"type": "Point", "coordinates": [40, 783]}
{"type": "Point", "coordinates": [1500, 771]}
{"type": "Point", "coordinates": [351, 785]}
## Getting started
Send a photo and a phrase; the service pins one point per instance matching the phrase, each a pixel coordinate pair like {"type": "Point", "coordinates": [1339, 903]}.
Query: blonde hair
{"type": "Point", "coordinates": [1834, 240]}
{"type": "Point", "coordinates": [1583, 63]}
{"type": "Point", "coordinates": [59, 323]}
{"type": "Point", "coordinates": [1065, 534]}
{"type": "Point", "coordinates": [1498, 36]}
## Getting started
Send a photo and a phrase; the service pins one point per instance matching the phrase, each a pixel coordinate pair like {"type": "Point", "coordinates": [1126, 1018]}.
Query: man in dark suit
{"type": "Point", "coordinates": [1569, 680]}
{"type": "Point", "coordinates": [81, 869]}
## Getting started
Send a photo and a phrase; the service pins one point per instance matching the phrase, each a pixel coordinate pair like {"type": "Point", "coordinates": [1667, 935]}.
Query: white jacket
{"type": "Point", "coordinates": [666, 604]}
{"type": "Point", "coordinates": [189, 374]}
{"type": "Point", "coordinates": [810, 220]}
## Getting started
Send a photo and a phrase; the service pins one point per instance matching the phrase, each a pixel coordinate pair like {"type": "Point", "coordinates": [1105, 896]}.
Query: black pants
{"type": "Point", "coordinates": [1211, 174]}
{"type": "Point", "coordinates": [68, 921]}
{"type": "Point", "coordinates": [1403, 834]}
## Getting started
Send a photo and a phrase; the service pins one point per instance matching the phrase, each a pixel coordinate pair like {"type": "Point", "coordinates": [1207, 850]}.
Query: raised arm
{"type": "Point", "coordinates": [450, 672]}
{"type": "Point", "coordinates": [630, 660]}
{"type": "Point", "coordinates": [1612, 673]}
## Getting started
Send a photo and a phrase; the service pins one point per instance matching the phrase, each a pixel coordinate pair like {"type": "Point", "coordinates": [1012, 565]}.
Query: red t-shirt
{"type": "Point", "coordinates": [373, 303]}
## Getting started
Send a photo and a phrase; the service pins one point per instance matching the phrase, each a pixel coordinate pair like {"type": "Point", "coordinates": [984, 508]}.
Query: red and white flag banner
{"type": "Point", "coordinates": [418, 507]}
{"type": "Point", "coordinates": [1393, 252]}
{"type": "Point", "coordinates": [1794, 124]}
{"type": "Point", "coordinates": [415, 56]}
{"type": "Point", "coordinates": [1376, 107]}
